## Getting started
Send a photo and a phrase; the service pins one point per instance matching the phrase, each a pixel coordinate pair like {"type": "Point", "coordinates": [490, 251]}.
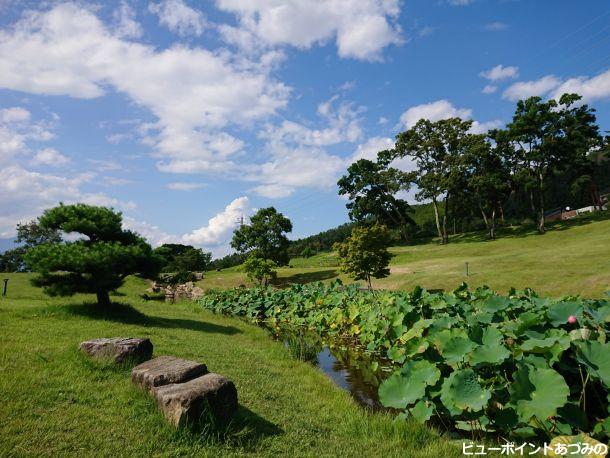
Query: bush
{"type": "Point", "coordinates": [260, 270]}
{"type": "Point", "coordinates": [517, 365]}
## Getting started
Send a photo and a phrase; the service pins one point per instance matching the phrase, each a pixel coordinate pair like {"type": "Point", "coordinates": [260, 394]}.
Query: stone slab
{"type": "Point", "coordinates": [165, 370]}
{"type": "Point", "coordinates": [121, 349]}
{"type": "Point", "coordinates": [198, 399]}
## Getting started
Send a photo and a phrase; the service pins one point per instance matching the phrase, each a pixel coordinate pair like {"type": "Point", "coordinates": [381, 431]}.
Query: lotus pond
{"type": "Point", "coordinates": [515, 366]}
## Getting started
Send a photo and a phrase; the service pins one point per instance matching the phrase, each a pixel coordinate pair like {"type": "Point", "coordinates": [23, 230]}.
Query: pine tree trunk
{"type": "Point", "coordinates": [492, 227]}
{"type": "Point", "coordinates": [103, 298]}
{"type": "Point", "coordinates": [368, 278]}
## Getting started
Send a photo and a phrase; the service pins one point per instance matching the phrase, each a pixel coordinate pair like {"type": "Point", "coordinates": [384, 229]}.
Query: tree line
{"type": "Point", "coordinates": [503, 173]}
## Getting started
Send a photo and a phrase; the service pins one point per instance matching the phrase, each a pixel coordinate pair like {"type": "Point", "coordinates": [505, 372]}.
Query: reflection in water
{"type": "Point", "coordinates": [352, 370]}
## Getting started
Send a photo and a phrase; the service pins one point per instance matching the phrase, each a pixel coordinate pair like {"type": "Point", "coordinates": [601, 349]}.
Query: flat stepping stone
{"type": "Point", "coordinates": [165, 370]}
{"type": "Point", "coordinates": [120, 349]}
{"type": "Point", "coordinates": [198, 399]}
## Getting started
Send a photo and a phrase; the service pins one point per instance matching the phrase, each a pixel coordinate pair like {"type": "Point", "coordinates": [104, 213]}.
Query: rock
{"type": "Point", "coordinates": [197, 293]}
{"type": "Point", "coordinates": [186, 403]}
{"type": "Point", "coordinates": [165, 370]}
{"type": "Point", "coordinates": [121, 349]}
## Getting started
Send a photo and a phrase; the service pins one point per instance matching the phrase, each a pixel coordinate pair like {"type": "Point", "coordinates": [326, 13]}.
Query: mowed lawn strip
{"type": "Point", "coordinates": [58, 402]}
{"type": "Point", "coordinates": [572, 258]}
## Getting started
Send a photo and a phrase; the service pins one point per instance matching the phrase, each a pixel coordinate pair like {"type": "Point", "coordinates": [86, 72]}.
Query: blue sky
{"type": "Point", "coordinates": [186, 115]}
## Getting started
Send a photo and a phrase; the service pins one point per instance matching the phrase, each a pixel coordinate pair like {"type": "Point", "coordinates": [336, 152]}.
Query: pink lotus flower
{"type": "Point", "coordinates": [572, 319]}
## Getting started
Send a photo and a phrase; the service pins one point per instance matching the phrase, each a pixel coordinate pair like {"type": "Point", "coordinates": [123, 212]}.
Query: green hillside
{"type": "Point", "coordinates": [571, 258]}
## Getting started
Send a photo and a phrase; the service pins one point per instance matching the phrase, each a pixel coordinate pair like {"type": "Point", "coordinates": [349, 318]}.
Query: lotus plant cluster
{"type": "Point", "coordinates": [516, 365]}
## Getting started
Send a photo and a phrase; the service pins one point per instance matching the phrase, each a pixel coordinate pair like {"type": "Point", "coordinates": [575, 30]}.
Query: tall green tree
{"type": "Point", "coordinates": [488, 176]}
{"type": "Point", "coordinates": [264, 236]}
{"type": "Point", "coordinates": [98, 262]}
{"type": "Point", "coordinates": [372, 189]}
{"type": "Point", "coordinates": [437, 149]}
{"type": "Point", "coordinates": [550, 136]}
{"type": "Point", "coordinates": [364, 255]}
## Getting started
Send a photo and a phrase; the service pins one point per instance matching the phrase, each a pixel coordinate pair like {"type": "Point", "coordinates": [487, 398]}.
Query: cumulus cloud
{"type": "Point", "coordinates": [297, 153]}
{"type": "Point", "coordinates": [24, 193]}
{"type": "Point", "coordinates": [49, 156]}
{"type": "Point", "coordinates": [193, 92]}
{"type": "Point", "coordinates": [433, 111]}
{"type": "Point", "coordinates": [16, 131]}
{"type": "Point", "coordinates": [361, 29]}
{"type": "Point", "coordinates": [593, 88]}
{"type": "Point", "coordinates": [499, 73]}
{"type": "Point", "coordinates": [370, 148]}
{"type": "Point", "coordinates": [125, 21]}
{"type": "Point", "coordinates": [489, 89]}
{"type": "Point", "coordinates": [220, 227]}
{"type": "Point", "coordinates": [178, 17]}
{"type": "Point", "coordinates": [525, 89]}
{"type": "Point", "coordinates": [443, 109]}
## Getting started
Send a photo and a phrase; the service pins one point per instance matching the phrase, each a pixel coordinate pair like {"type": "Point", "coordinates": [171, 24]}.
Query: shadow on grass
{"type": "Point", "coordinates": [306, 277]}
{"type": "Point", "coordinates": [123, 313]}
{"type": "Point", "coordinates": [245, 430]}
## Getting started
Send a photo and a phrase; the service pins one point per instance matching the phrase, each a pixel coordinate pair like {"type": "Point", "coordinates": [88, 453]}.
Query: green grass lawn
{"type": "Point", "coordinates": [58, 402]}
{"type": "Point", "coordinates": [571, 258]}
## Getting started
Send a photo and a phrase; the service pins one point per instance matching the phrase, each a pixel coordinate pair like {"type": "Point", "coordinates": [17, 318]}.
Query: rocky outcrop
{"type": "Point", "coordinates": [186, 290]}
{"type": "Point", "coordinates": [198, 400]}
{"type": "Point", "coordinates": [121, 349]}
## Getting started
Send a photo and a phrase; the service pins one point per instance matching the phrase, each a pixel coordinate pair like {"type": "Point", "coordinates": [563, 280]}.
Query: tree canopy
{"type": "Point", "coordinates": [177, 257]}
{"type": "Point", "coordinates": [364, 255]}
{"type": "Point", "coordinates": [372, 189]}
{"type": "Point", "coordinates": [98, 262]}
{"type": "Point", "coordinates": [264, 236]}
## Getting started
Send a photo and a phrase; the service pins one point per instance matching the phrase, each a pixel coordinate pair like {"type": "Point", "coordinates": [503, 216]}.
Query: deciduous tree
{"type": "Point", "coordinates": [264, 236]}
{"type": "Point", "coordinates": [364, 255]}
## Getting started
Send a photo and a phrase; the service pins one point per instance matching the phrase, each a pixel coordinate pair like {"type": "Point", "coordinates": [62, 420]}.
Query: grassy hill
{"type": "Point", "coordinates": [57, 402]}
{"type": "Point", "coordinates": [571, 258]}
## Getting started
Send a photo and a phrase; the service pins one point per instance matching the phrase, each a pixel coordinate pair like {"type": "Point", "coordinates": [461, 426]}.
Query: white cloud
{"type": "Point", "coordinates": [16, 131]}
{"type": "Point", "coordinates": [460, 2]}
{"type": "Point", "coordinates": [193, 92]}
{"type": "Point", "coordinates": [590, 88]}
{"type": "Point", "coordinates": [125, 21]}
{"type": "Point", "coordinates": [370, 148]}
{"type": "Point", "coordinates": [434, 111]}
{"type": "Point", "coordinates": [49, 156]}
{"type": "Point", "coordinates": [220, 227]}
{"type": "Point", "coordinates": [489, 89]}
{"type": "Point", "coordinates": [594, 88]}
{"type": "Point", "coordinates": [179, 17]}
{"type": "Point", "coordinates": [360, 28]}
{"type": "Point", "coordinates": [443, 109]}
{"type": "Point", "coordinates": [525, 89]}
{"type": "Point", "coordinates": [184, 186]}
{"type": "Point", "coordinates": [499, 73]}
{"type": "Point", "coordinates": [14, 114]}
{"type": "Point", "coordinates": [496, 26]}
{"type": "Point", "coordinates": [297, 154]}
{"type": "Point", "coordinates": [24, 194]}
